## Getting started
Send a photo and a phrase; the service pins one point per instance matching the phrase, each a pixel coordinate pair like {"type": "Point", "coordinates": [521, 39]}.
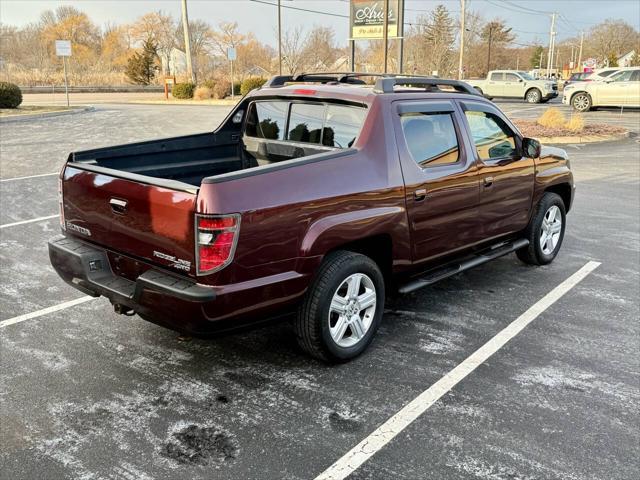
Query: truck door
{"type": "Point", "coordinates": [506, 177]}
{"type": "Point", "coordinates": [495, 85]}
{"type": "Point", "coordinates": [513, 86]}
{"type": "Point", "coordinates": [440, 177]}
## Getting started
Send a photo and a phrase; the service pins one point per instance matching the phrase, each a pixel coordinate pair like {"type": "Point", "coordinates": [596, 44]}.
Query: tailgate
{"type": "Point", "coordinates": [150, 222]}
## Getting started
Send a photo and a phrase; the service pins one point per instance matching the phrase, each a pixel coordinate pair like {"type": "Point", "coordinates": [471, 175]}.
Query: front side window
{"type": "Point", "coordinates": [305, 122]}
{"type": "Point", "coordinates": [267, 120]}
{"type": "Point", "coordinates": [431, 138]}
{"type": "Point", "coordinates": [492, 136]}
{"type": "Point", "coordinates": [511, 77]}
{"type": "Point", "coordinates": [623, 76]}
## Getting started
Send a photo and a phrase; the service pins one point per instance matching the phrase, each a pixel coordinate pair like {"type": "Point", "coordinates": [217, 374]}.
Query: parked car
{"type": "Point", "coordinates": [577, 77]}
{"type": "Point", "coordinates": [621, 89]}
{"type": "Point", "coordinates": [515, 84]}
{"type": "Point", "coordinates": [313, 200]}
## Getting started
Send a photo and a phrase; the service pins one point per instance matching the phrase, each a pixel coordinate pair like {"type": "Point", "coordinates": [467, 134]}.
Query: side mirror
{"type": "Point", "coordinates": [531, 147]}
{"type": "Point", "coordinates": [520, 80]}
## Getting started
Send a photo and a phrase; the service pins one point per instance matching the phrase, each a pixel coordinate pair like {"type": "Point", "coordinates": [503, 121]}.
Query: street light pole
{"type": "Point", "coordinates": [489, 49]}
{"type": "Point", "coordinates": [187, 42]}
{"type": "Point", "coordinates": [580, 54]}
{"type": "Point", "coordinates": [279, 37]}
{"type": "Point", "coordinates": [461, 57]}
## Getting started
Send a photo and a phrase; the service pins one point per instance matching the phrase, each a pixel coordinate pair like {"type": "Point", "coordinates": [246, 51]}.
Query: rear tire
{"type": "Point", "coordinates": [545, 231]}
{"type": "Point", "coordinates": [342, 308]}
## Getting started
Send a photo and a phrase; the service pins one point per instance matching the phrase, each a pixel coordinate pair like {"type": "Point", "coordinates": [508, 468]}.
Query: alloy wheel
{"type": "Point", "coordinates": [581, 102]}
{"type": "Point", "coordinates": [352, 310]}
{"type": "Point", "coordinates": [550, 230]}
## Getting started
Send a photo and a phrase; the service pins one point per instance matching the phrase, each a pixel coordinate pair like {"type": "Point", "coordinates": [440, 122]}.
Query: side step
{"type": "Point", "coordinates": [433, 276]}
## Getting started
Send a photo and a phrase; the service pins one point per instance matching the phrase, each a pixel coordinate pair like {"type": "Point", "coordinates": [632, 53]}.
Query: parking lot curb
{"type": "Point", "coordinates": [27, 117]}
{"type": "Point", "coordinates": [585, 138]}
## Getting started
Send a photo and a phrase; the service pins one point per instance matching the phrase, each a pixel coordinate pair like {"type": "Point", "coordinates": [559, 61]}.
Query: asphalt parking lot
{"type": "Point", "coordinates": [85, 393]}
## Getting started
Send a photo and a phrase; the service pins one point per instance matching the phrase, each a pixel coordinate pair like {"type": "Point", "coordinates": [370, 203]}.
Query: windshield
{"type": "Point", "coordinates": [526, 76]}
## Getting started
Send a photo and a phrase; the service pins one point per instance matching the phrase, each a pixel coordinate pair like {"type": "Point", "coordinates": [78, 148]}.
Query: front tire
{"type": "Point", "coordinates": [342, 309]}
{"type": "Point", "coordinates": [581, 102]}
{"type": "Point", "coordinates": [533, 96]}
{"type": "Point", "coordinates": [545, 231]}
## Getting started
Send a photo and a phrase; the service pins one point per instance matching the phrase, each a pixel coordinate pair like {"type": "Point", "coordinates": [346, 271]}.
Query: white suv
{"type": "Point", "coordinates": [621, 89]}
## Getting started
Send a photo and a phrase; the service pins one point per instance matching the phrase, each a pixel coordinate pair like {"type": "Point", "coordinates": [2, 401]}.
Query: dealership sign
{"type": "Point", "coordinates": [367, 19]}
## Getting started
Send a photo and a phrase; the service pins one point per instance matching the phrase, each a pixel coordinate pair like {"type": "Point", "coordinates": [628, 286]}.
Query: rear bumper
{"type": "Point", "coordinates": [168, 300]}
{"type": "Point", "coordinates": [87, 268]}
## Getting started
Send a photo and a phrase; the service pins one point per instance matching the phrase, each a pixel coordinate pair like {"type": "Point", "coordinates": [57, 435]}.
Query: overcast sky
{"type": "Point", "coordinates": [527, 18]}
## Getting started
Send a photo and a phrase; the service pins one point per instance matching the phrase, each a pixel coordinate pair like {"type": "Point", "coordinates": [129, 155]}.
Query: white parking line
{"type": "Point", "coordinates": [22, 222]}
{"type": "Point", "coordinates": [44, 311]}
{"type": "Point", "coordinates": [25, 178]}
{"type": "Point", "coordinates": [362, 452]}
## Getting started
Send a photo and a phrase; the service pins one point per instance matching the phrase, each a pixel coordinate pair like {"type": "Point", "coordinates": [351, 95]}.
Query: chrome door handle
{"type": "Point", "coordinates": [117, 205]}
{"type": "Point", "coordinates": [420, 194]}
{"type": "Point", "coordinates": [488, 181]}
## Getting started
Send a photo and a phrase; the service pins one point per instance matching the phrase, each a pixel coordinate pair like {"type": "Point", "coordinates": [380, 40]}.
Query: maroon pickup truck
{"type": "Point", "coordinates": [314, 197]}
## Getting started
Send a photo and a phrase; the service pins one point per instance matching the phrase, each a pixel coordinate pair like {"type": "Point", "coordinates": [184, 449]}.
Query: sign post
{"type": "Point", "coordinates": [63, 49]}
{"type": "Point", "coordinates": [231, 55]}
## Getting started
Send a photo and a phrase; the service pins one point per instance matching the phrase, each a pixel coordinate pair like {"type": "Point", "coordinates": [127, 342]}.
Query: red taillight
{"type": "Point", "coordinates": [61, 203]}
{"type": "Point", "coordinates": [216, 239]}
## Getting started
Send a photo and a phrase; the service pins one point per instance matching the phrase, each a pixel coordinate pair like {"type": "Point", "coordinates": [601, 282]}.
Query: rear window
{"type": "Point", "coordinates": [330, 125]}
{"type": "Point", "coordinates": [305, 122]}
{"type": "Point", "coordinates": [267, 120]}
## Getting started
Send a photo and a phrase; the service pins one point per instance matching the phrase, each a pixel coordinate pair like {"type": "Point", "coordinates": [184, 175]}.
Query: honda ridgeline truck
{"type": "Point", "coordinates": [314, 197]}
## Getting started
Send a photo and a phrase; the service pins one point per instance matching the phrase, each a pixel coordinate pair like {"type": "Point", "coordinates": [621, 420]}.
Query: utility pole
{"type": "Point", "coordinates": [580, 54]}
{"type": "Point", "coordinates": [400, 33]}
{"type": "Point", "coordinates": [551, 40]}
{"type": "Point", "coordinates": [279, 37]}
{"type": "Point", "coordinates": [489, 49]}
{"type": "Point", "coordinates": [385, 35]}
{"type": "Point", "coordinates": [187, 42]}
{"type": "Point", "coordinates": [461, 57]}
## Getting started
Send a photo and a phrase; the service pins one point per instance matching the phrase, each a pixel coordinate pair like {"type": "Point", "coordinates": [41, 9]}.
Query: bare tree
{"type": "Point", "coordinates": [612, 37]}
{"type": "Point", "coordinates": [320, 51]}
{"type": "Point", "coordinates": [158, 28]}
{"type": "Point", "coordinates": [293, 47]}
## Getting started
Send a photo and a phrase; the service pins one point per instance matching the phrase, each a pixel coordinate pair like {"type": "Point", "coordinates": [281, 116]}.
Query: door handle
{"type": "Point", "coordinates": [117, 205]}
{"type": "Point", "coordinates": [488, 181]}
{"type": "Point", "coordinates": [420, 194]}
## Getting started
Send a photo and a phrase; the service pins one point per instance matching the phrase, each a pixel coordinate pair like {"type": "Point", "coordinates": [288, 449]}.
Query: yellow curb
{"type": "Point", "coordinates": [584, 138]}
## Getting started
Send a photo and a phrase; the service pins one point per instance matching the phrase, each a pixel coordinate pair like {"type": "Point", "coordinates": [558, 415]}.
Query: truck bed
{"type": "Point", "coordinates": [189, 159]}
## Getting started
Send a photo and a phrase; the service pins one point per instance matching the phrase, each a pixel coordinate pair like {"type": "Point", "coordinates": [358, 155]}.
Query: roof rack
{"type": "Point", "coordinates": [386, 84]}
{"type": "Point", "coordinates": [322, 77]}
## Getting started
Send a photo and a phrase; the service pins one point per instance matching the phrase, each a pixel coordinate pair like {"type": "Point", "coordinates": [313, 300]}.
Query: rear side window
{"type": "Point", "coordinates": [342, 125]}
{"type": "Point", "coordinates": [496, 77]}
{"type": "Point", "coordinates": [267, 120]}
{"type": "Point", "coordinates": [305, 122]}
{"type": "Point", "coordinates": [325, 124]}
{"type": "Point", "coordinates": [492, 136]}
{"type": "Point", "coordinates": [431, 138]}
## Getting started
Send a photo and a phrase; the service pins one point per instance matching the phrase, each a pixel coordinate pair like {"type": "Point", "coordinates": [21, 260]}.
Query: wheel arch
{"type": "Point", "coordinates": [563, 190]}
{"type": "Point", "coordinates": [526, 92]}
{"type": "Point", "coordinates": [378, 248]}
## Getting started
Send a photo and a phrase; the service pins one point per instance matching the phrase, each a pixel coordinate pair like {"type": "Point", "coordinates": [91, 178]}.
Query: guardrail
{"type": "Point", "coordinates": [94, 89]}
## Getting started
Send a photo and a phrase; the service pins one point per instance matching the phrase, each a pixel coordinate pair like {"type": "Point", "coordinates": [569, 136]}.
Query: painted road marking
{"type": "Point", "coordinates": [25, 178]}
{"type": "Point", "coordinates": [22, 222]}
{"type": "Point", "coordinates": [44, 311]}
{"type": "Point", "coordinates": [362, 452]}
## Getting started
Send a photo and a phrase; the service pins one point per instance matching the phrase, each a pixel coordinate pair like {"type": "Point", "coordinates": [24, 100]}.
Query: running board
{"type": "Point", "coordinates": [451, 269]}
